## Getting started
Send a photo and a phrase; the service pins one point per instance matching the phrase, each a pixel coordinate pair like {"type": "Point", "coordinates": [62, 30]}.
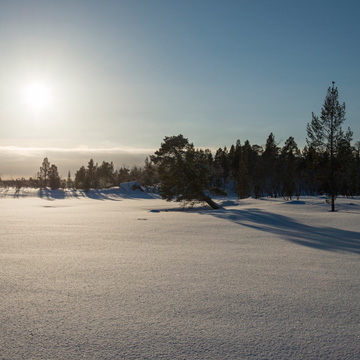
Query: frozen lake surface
{"type": "Point", "coordinates": [121, 275]}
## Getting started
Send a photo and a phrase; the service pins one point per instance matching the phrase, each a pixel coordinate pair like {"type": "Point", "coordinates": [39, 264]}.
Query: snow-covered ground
{"type": "Point", "coordinates": [121, 274]}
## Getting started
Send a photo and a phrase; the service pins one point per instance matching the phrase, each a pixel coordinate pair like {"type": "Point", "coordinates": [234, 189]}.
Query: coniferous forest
{"type": "Point", "coordinates": [328, 164]}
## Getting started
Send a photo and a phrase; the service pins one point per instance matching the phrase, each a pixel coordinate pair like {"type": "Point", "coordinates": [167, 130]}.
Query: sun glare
{"type": "Point", "coordinates": [37, 96]}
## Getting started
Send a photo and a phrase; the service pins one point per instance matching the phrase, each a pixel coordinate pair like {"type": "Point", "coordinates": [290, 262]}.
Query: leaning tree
{"type": "Point", "coordinates": [183, 171]}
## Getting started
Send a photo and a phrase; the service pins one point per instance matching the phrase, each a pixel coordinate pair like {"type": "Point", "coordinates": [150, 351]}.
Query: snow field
{"type": "Point", "coordinates": [124, 277]}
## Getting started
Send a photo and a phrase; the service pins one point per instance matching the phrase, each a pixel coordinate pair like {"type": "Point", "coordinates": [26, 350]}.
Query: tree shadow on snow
{"type": "Point", "coordinates": [117, 194]}
{"type": "Point", "coordinates": [324, 238]}
{"type": "Point", "coordinates": [112, 194]}
{"type": "Point", "coordinates": [51, 194]}
{"type": "Point", "coordinates": [101, 195]}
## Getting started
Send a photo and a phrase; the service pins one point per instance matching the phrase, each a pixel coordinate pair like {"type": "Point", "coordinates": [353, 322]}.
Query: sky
{"type": "Point", "coordinates": [110, 79]}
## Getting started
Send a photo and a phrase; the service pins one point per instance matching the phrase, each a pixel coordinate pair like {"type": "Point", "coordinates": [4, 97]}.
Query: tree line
{"type": "Point", "coordinates": [92, 176]}
{"type": "Point", "coordinates": [328, 164]}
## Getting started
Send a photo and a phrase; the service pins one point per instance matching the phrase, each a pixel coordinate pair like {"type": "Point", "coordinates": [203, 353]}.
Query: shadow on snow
{"type": "Point", "coordinates": [124, 191]}
{"type": "Point", "coordinates": [113, 194]}
{"type": "Point", "coordinates": [324, 238]}
{"type": "Point", "coordinates": [51, 194]}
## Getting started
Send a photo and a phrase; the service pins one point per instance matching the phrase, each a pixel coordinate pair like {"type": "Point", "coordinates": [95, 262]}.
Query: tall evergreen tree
{"type": "Point", "coordinates": [91, 180]}
{"type": "Point", "coordinates": [44, 173]}
{"type": "Point", "coordinates": [289, 154]}
{"type": "Point", "coordinates": [270, 163]}
{"type": "Point", "coordinates": [325, 134]}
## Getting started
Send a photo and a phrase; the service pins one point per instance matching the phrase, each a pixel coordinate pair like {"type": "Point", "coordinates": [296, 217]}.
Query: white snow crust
{"type": "Point", "coordinates": [122, 274]}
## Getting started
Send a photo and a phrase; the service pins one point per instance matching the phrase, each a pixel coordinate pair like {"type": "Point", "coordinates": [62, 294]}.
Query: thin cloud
{"type": "Point", "coordinates": [81, 149]}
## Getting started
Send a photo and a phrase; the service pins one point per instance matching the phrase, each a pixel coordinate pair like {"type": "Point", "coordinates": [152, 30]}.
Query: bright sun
{"type": "Point", "coordinates": [37, 96]}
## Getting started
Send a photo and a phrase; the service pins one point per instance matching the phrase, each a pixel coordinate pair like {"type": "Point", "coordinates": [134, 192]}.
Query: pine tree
{"type": "Point", "coordinates": [183, 171]}
{"type": "Point", "coordinates": [325, 135]}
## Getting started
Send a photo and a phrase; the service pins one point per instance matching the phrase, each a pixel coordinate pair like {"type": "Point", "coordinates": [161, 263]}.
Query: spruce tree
{"type": "Point", "coordinates": [80, 178]}
{"type": "Point", "coordinates": [289, 154]}
{"type": "Point", "coordinates": [54, 178]}
{"type": "Point", "coordinates": [69, 182]}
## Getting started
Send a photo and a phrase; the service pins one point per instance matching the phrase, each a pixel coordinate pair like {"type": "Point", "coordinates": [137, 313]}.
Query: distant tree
{"type": "Point", "coordinates": [243, 181]}
{"type": "Point", "coordinates": [310, 170]}
{"type": "Point", "coordinates": [69, 182]}
{"type": "Point", "coordinates": [136, 173]}
{"type": "Point", "coordinates": [63, 183]}
{"type": "Point", "coordinates": [270, 166]}
{"type": "Point", "coordinates": [183, 171]}
{"type": "Point", "coordinates": [255, 162]}
{"type": "Point", "coordinates": [149, 174]}
{"type": "Point", "coordinates": [344, 168]}
{"type": "Point", "coordinates": [43, 174]}
{"type": "Point", "coordinates": [289, 155]}
{"type": "Point", "coordinates": [80, 178]}
{"type": "Point", "coordinates": [325, 135]}
{"type": "Point", "coordinates": [33, 182]}
{"type": "Point", "coordinates": [54, 178]}
{"type": "Point", "coordinates": [19, 183]}
{"type": "Point", "coordinates": [91, 180]}
{"type": "Point", "coordinates": [221, 168]}
{"type": "Point", "coordinates": [234, 158]}
{"type": "Point", "coordinates": [123, 175]}
{"type": "Point", "coordinates": [105, 175]}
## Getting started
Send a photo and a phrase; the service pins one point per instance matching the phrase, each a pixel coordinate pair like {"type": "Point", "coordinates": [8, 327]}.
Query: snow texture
{"type": "Point", "coordinates": [121, 274]}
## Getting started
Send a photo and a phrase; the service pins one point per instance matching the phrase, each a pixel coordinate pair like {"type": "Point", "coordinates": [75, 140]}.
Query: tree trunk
{"type": "Point", "coordinates": [211, 203]}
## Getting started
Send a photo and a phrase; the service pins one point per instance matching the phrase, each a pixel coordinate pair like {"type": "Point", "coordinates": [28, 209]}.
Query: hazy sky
{"type": "Point", "coordinates": [106, 79]}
